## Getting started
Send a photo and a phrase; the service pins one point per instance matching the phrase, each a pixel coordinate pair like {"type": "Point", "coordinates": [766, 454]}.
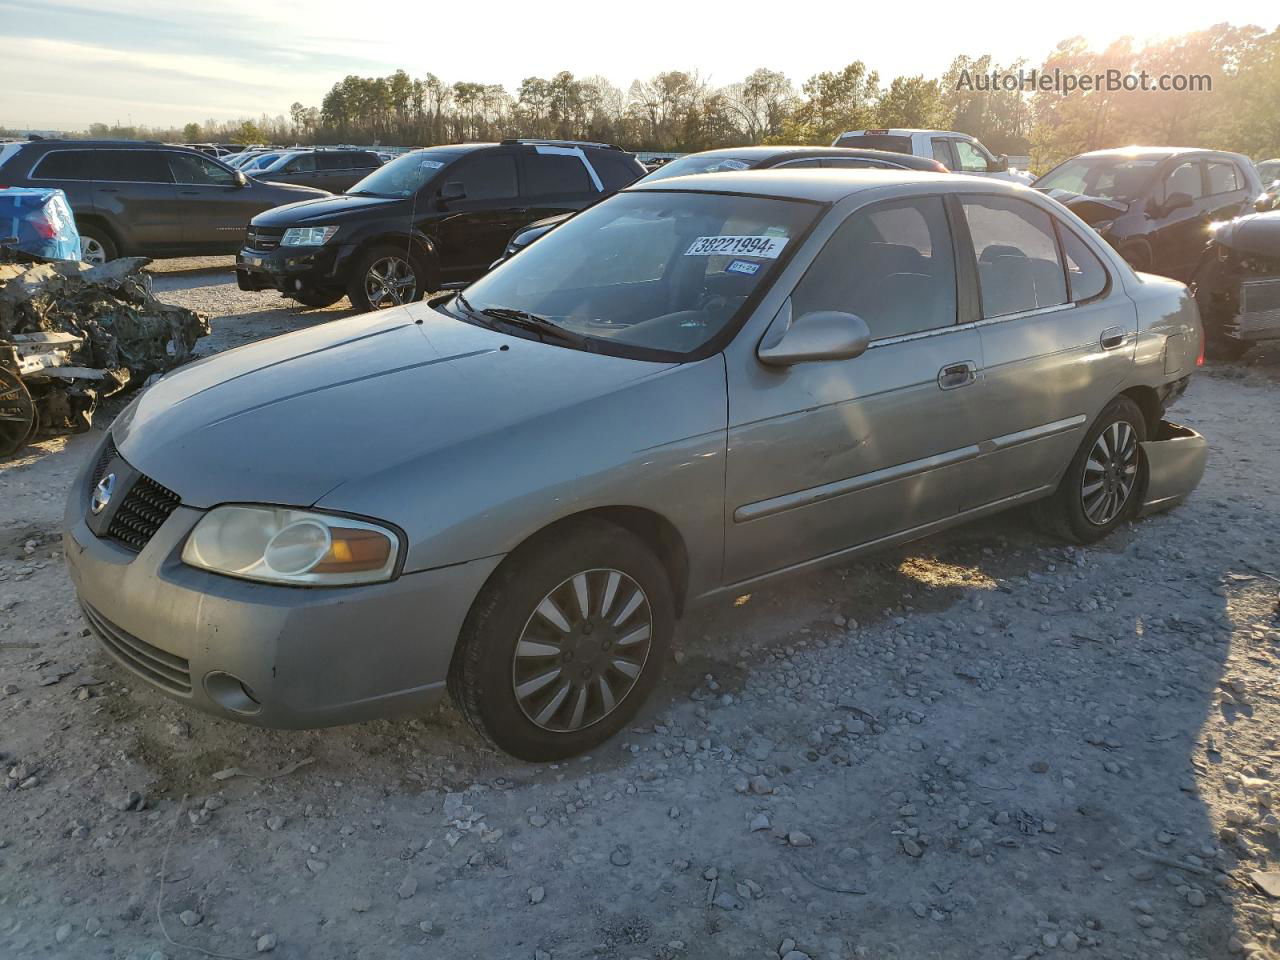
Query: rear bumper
{"type": "Point", "coordinates": [1174, 461]}
{"type": "Point", "coordinates": [294, 269]}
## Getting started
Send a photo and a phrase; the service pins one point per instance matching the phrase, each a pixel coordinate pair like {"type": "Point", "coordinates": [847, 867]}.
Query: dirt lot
{"type": "Point", "coordinates": [986, 745]}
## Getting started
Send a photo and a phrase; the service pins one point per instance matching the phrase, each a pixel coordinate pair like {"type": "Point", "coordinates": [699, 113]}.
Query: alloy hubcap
{"type": "Point", "coordinates": [582, 650]}
{"type": "Point", "coordinates": [91, 251]}
{"type": "Point", "coordinates": [1109, 473]}
{"type": "Point", "coordinates": [390, 282]}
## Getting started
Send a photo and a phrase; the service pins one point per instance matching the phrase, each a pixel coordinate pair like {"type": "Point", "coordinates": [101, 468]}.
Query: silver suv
{"type": "Point", "coordinates": [692, 386]}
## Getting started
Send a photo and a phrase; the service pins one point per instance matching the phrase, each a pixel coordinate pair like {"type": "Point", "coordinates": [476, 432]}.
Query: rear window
{"type": "Point", "coordinates": [876, 141]}
{"type": "Point", "coordinates": [616, 170]}
{"type": "Point", "coordinates": [555, 174]}
{"type": "Point", "coordinates": [333, 161]}
{"type": "Point", "coordinates": [365, 160]}
{"type": "Point", "coordinates": [62, 165]}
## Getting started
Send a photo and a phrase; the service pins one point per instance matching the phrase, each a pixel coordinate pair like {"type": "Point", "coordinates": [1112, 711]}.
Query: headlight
{"type": "Point", "coordinates": [307, 236]}
{"type": "Point", "coordinates": [299, 547]}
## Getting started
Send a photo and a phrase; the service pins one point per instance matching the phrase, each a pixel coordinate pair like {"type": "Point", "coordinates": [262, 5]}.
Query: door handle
{"type": "Point", "coordinates": [1113, 337]}
{"type": "Point", "coordinates": [955, 375]}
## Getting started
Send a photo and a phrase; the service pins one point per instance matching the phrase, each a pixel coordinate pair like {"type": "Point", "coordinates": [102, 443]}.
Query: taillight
{"type": "Point", "coordinates": [44, 228]}
{"type": "Point", "coordinates": [1200, 355]}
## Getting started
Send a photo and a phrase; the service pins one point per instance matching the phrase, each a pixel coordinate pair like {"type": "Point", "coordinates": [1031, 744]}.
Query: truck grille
{"type": "Point", "coordinates": [163, 669]}
{"type": "Point", "coordinates": [262, 238]}
{"type": "Point", "coordinates": [1259, 296]}
{"type": "Point", "coordinates": [146, 506]}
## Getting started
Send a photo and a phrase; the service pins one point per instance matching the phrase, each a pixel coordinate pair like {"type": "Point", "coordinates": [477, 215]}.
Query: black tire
{"type": "Point", "coordinates": [357, 286]}
{"type": "Point", "coordinates": [95, 234]}
{"type": "Point", "coordinates": [1065, 512]}
{"type": "Point", "coordinates": [316, 300]}
{"type": "Point", "coordinates": [485, 669]}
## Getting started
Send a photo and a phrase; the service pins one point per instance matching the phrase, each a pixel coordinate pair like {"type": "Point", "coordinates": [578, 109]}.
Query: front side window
{"type": "Point", "coordinates": [1086, 276]}
{"type": "Point", "coordinates": [63, 165]}
{"type": "Point", "coordinates": [555, 174]}
{"type": "Point", "coordinates": [648, 274]}
{"type": "Point", "coordinates": [486, 177]}
{"type": "Point", "coordinates": [1111, 177]}
{"type": "Point", "coordinates": [891, 265]}
{"type": "Point", "coordinates": [189, 168]}
{"type": "Point", "coordinates": [1223, 177]}
{"type": "Point", "coordinates": [1017, 254]}
{"type": "Point", "coordinates": [302, 163]}
{"type": "Point", "coordinates": [1184, 178]}
{"type": "Point", "coordinates": [972, 160]}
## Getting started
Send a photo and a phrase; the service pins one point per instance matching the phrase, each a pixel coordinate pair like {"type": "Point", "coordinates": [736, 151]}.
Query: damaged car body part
{"type": "Point", "coordinates": [72, 333]}
{"type": "Point", "coordinates": [1237, 284]}
{"type": "Point", "coordinates": [514, 491]}
{"type": "Point", "coordinates": [1155, 204]}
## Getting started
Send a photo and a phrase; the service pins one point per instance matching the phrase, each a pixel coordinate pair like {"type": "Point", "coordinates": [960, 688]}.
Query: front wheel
{"type": "Point", "coordinates": [387, 276]}
{"type": "Point", "coordinates": [1101, 488]}
{"type": "Point", "coordinates": [564, 642]}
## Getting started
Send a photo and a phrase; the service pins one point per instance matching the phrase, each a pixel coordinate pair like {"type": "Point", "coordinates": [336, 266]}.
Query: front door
{"type": "Point", "coordinates": [215, 208]}
{"type": "Point", "coordinates": [1181, 234]}
{"type": "Point", "coordinates": [829, 455]}
{"type": "Point", "coordinates": [475, 229]}
{"type": "Point", "coordinates": [1057, 343]}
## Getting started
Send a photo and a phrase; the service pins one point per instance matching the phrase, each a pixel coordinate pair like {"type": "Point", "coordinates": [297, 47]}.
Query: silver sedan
{"type": "Point", "coordinates": [513, 492]}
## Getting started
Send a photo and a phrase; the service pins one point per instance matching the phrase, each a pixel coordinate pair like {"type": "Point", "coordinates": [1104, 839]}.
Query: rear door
{"type": "Point", "coordinates": [215, 208]}
{"type": "Point", "coordinates": [474, 230]}
{"type": "Point", "coordinates": [826, 456]}
{"type": "Point", "coordinates": [1226, 189]}
{"type": "Point", "coordinates": [135, 191]}
{"type": "Point", "coordinates": [1058, 340]}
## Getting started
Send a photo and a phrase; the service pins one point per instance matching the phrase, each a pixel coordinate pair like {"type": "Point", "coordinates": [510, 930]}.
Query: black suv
{"type": "Point", "coordinates": [332, 170]}
{"type": "Point", "coordinates": [145, 199]}
{"type": "Point", "coordinates": [428, 218]}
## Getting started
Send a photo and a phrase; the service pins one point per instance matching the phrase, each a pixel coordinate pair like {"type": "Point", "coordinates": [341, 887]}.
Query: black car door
{"type": "Point", "coordinates": [215, 206]}
{"type": "Point", "coordinates": [1226, 189]}
{"type": "Point", "coordinates": [557, 180]}
{"type": "Point", "coordinates": [134, 190]}
{"type": "Point", "coordinates": [299, 169]}
{"type": "Point", "coordinates": [1179, 228]}
{"type": "Point", "coordinates": [478, 207]}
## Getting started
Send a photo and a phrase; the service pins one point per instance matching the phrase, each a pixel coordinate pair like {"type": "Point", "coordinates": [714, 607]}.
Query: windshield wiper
{"type": "Point", "coordinates": [524, 320]}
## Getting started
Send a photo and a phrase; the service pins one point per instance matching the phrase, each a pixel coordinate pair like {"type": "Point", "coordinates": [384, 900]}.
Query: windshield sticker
{"type": "Point", "coordinates": [429, 164]}
{"type": "Point", "coordinates": [744, 267]}
{"type": "Point", "coordinates": [766, 247]}
{"type": "Point", "coordinates": [732, 165]}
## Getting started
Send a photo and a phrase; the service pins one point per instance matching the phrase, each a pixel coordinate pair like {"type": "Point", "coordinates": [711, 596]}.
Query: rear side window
{"type": "Point", "coordinates": [303, 163]}
{"type": "Point", "coordinates": [615, 170]}
{"type": "Point", "coordinates": [876, 141]}
{"type": "Point", "coordinates": [942, 153]}
{"type": "Point", "coordinates": [129, 166]}
{"type": "Point", "coordinates": [1018, 265]}
{"type": "Point", "coordinates": [857, 163]}
{"type": "Point", "coordinates": [193, 168]}
{"type": "Point", "coordinates": [891, 265]}
{"type": "Point", "coordinates": [361, 160]}
{"type": "Point", "coordinates": [63, 165]}
{"type": "Point", "coordinates": [555, 174]}
{"type": "Point", "coordinates": [1223, 177]}
{"type": "Point", "coordinates": [1086, 276]}
{"type": "Point", "coordinates": [486, 177]}
{"type": "Point", "coordinates": [333, 161]}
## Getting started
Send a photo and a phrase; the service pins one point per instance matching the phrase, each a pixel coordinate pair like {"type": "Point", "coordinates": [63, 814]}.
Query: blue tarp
{"type": "Point", "coordinates": [42, 222]}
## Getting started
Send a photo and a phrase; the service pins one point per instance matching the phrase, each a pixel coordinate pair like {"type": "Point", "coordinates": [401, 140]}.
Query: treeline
{"type": "Point", "coordinates": [681, 111]}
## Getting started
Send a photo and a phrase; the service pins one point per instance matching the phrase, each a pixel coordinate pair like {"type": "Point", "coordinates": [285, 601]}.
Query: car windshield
{"type": "Point", "coordinates": [262, 162]}
{"type": "Point", "coordinates": [1111, 178]}
{"type": "Point", "coordinates": [696, 163]}
{"type": "Point", "coordinates": [405, 175]}
{"type": "Point", "coordinates": [646, 274]}
{"type": "Point", "coordinates": [1269, 171]}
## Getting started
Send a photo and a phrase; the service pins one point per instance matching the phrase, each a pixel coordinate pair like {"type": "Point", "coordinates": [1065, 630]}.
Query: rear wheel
{"type": "Point", "coordinates": [565, 642]}
{"type": "Point", "coordinates": [1102, 487]}
{"type": "Point", "coordinates": [96, 245]}
{"type": "Point", "coordinates": [387, 276]}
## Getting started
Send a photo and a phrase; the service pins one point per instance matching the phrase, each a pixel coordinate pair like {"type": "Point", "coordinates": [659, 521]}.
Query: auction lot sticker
{"type": "Point", "coordinates": [766, 247]}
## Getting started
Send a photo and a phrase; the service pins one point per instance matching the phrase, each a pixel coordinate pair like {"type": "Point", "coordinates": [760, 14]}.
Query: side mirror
{"type": "Point", "coordinates": [819, 335]}
{"type": "Point", "coordinates": [241, 179]}
{"type": "Point", "coordinates": [1175, 201]}
{"type": "Point", "coordinates": [452, 190]}
{"type": "Point", "coordinates": [1000, 164]}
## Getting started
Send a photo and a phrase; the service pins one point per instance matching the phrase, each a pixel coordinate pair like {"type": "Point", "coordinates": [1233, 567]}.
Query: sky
{"type": "Point", "coordinates": [65, 64]}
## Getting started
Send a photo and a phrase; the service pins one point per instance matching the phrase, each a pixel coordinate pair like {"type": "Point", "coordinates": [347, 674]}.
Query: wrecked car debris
{"type": "Point", "coordinates": [72, 334]}
{"type": "Point", "coordinates": [1237, 284]}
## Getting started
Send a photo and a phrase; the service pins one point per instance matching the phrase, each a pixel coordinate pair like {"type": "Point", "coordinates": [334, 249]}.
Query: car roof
{"type": "Point", "coordinates": [766, 152]}
{"type": "Point", "coordinates": [901, 132]}
{"type": "Point", "coordinates": [1149, 152]}
{"type": "Point", "coordinates": [821, 186]}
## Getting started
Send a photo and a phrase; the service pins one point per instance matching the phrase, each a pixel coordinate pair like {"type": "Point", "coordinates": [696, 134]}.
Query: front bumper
{"type": "Point", "coordinates": [262, 654]}
{"type": "Point", "coordinates": [1174, 460]}
{"type": "Point", "coordinates": [294, 269]}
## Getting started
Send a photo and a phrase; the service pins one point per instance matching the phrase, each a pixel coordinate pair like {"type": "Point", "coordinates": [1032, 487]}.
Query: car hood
{"type": "Point", "coordinates": [1089, 209]}
{"type": "Point", "coordinates": [1257, 234]}
{"type": "Point", "coordinates": [289, 419]}
{"type": "Point", "coordinates": [325, 208]}
{"type": "Point", "coordinates": [289, 192]}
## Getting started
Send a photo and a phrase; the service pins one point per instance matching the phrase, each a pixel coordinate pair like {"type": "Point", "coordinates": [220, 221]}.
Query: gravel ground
{"type": "Point", "coordinates": [984, 745]}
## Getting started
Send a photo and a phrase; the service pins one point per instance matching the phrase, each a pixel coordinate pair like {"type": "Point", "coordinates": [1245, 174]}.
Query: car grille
{"type": "Point", "coordinates": [100, 470]}
{"type": "Point", "coordinates": [163, 669]}
{"type": "Point", "coordinates": [1259, 296]}
{"type": "Point", "coordinates": [263, 238]}
{"type": "Point", "coordinates": [146, 506]}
